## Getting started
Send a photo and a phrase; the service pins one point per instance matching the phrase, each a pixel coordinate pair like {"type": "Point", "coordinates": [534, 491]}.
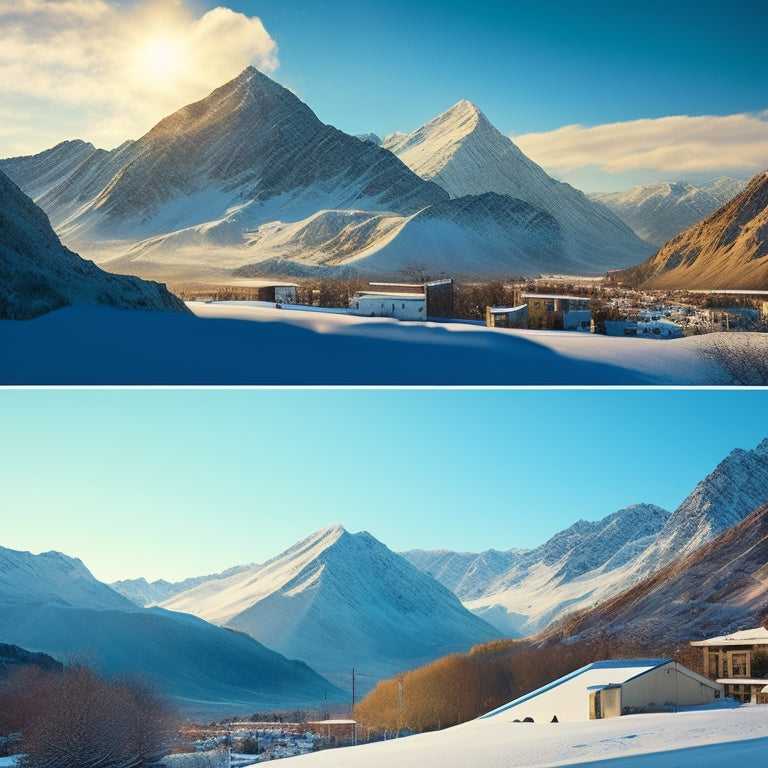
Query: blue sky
{"type": "Point", "coordinates": [602, 94]}
{"type": "Point", "coordinates": [177, 483]}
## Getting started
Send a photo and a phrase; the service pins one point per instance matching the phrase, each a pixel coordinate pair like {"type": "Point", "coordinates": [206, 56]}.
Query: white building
{"type": "Point", "coordinates": [612, 688]}
{"type": "Point", "coordinates": [402, 306]}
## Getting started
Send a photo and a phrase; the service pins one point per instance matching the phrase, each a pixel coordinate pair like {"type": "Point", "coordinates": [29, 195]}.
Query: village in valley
{"type": "Point", "coordinates": [573, 303]}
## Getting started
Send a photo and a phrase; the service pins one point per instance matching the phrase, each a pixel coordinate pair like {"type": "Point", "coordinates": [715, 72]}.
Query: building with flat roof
{"type": "Point", "coordinates": [739, 662]}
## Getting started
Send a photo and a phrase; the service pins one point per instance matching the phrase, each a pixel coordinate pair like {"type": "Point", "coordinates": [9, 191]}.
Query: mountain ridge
{"type": "Point", "coordinates": [727, 250]}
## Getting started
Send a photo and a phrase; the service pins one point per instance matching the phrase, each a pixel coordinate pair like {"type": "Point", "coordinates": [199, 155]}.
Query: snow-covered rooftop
{"type": "Point", "coordinates": [755, 636]}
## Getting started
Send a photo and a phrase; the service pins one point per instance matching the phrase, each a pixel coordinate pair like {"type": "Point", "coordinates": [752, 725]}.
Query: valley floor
{"type": "Point", "coordinates": [246, 344]}
{"type": "Point", "coordinates": [695, 739]}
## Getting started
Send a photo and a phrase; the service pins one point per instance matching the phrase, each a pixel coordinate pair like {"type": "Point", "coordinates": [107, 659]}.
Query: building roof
{"type": "Point", "coordinates": [505, 310]}
{"type": "Point", "coordinates": [553, 296]}
{"type": "Point", "coordinates": [755, 636]}
{"type": "Point", "coordinates": [571, 692]}
{"type": "Point", "coordinates": [390, 295]}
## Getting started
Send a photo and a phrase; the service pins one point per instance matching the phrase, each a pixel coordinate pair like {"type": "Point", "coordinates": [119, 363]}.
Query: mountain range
{"type": "Point", "coordinates": [658, 212]}
{"type": "Point", "coordinates": [40, 275]}
{"type": "Point", "coordinates": [727, 250]}
{"type": "Point", "coordinates": [592, 562]}
{"type": "Point", "coordinates": [719, 588]}
{"type": "Point", "coordinates": [51, 603]}
{"type": "Point", "coordinates": [339, 600]}
{"type": "Point", "coordinates": [249, 181]}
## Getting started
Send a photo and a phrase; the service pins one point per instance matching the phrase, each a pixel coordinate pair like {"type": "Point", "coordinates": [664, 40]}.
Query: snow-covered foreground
{"type": "Point", "coordinates": [251, 344]}
{"type": "Point", "coordinates": [696, 739]}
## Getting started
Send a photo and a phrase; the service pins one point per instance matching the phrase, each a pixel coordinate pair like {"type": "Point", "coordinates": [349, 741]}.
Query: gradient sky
{"type": "Point", "coordinates": [602, 94]}
{"type": "Point", "coordinates": [177, 483]}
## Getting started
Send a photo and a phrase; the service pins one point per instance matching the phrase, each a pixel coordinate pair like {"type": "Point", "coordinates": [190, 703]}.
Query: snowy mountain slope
{"type": "Point", "coordinates": [541, 584]}
{"type": "Point", "coordinates": [736, 487]}
{"type": "Point", "coordinates": [485, 234]}
{"type": "Point", "coordinates": [462, 151]}
{"type": "Point", "coordinates": [145, 593]}
{"type": "Point", "coordinates": [592, 562]}
{"type": "Point", "coordinates": [248, 154]}
{"type": "Point", "coordinates": [40, 275]}
{"type": "Point", "coordinates": [51, 603]}
{"type": "Point", "coordinates": [719, 588]}
{"type": "Point", "coordinates": [54, 577]}
{"type": "Point", "coordinates": [728, 249]}
{"type": "Point", "coordinates": [339, 600]}
{"type": "Point", "coordinates": [659, 211]}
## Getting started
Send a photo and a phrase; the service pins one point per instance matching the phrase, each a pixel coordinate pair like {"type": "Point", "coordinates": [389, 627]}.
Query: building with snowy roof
{"type": "Point", "coordinates": [739, 662]}
{"type": "Point", "coordinates": [612, 688]}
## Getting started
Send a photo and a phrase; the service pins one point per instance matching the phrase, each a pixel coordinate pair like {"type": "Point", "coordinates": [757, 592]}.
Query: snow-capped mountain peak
{"type": "Point", "coordinates": [337, 598]}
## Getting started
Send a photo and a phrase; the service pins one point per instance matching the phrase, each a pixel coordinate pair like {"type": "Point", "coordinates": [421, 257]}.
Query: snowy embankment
{"type": "Point", "coordinates": [251, 344]}
{"type": "Point", "coordinates": [696, 739]}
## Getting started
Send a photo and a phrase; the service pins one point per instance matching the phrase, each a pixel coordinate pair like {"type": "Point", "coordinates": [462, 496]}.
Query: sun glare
{"type": "Point", "coordinates": [161, 60]}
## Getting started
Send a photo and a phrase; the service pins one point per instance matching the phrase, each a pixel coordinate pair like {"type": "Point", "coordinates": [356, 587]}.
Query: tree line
{"type": "Point", "coordinates": [461, 687]}
{"type": "Point", "coordinates": [72, 718]}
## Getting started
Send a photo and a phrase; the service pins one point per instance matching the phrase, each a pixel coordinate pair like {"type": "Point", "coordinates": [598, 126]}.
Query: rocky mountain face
{"type": "Point", "coordinates": [51, 603]}
{"type": "Point", "coordinates": [341, 600]}
{"type": "Point", "coordinates": [249, 154]}
{"type": "Point", "coordinates": [463, 152]}
{"type": "Point", "coordinates": [736, 487]}
{"type": "Point", "coordinates": [728, 249]}
{"type": "Point", "coordinates": [522, 593]}
{"type": "Point", "coordinates": [719, 588]}
{"type": "Point", "coordinates": [659, 211]}
{"type": "Point", "coordinates": [40, 275]}
{"type": "Point", "coordinates": [249, 180]}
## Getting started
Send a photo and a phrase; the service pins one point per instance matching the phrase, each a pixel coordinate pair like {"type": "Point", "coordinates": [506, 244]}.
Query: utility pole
{"type": "Point", "coordinates": [354, 724]}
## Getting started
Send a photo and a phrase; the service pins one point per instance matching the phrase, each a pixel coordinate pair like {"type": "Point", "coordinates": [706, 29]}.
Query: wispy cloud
{"type": "Point", "coordinates": [668, 145]}
{"type": "Point", "coordinates": [122, 67]}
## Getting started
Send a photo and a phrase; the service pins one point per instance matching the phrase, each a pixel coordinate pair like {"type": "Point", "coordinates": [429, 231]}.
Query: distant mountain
{"type": "Point", "coordinates": [146, 593]}
{"type": "Point", "coordinates": [463, 152]}
{"type": "Point", "coordinates": [522, 593]}
{"type": "Point", "coordinates": [51, 603]}
{"type": "Point", "coordinates": [728, 249]}
{"type": "Point", "coordinates": [659, 211]}
{"type": "Point", "coordinates": [341, 600]}
{"type": "Point", "coordinates": [719, 588]}
{"type": "Point", "coordinates": [53, 577]}
{"type": "Point", "coordinates": [40, 275]}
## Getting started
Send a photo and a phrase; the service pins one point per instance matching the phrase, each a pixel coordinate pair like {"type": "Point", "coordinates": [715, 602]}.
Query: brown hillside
{"type": "Point", "coordinates": [727, 250]}
{"type": "Point", "coordinates": [721, 587]}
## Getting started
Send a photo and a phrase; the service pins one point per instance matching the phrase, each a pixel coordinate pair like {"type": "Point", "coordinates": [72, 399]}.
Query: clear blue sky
{"type": "Point", "coordinates": [107, 70]}
{"type": "Point", "coordinates": [176, 483]}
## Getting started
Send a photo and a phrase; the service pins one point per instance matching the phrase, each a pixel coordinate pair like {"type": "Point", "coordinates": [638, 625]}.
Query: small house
{"type": "Point", "coordinates": [739, 662]}
{"type": "Point", "coordinates": [405, 301]}
{"type": "Point", "coordinates": [507, 317]}
{"type": "Point", "coordinates": [611, 689]}
{"type": "Point", "coordinates": [558, 313]}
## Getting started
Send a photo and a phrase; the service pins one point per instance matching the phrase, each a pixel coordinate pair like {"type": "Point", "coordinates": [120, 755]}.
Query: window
{"type": "Point", "coordinates": [738, 664]}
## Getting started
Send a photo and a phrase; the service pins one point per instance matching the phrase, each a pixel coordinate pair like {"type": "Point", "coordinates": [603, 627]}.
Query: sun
{"type": "Point", "coordinates": [161, 60]}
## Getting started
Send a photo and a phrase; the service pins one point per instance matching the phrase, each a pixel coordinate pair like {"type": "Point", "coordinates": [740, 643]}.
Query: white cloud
{"type": "Point", "coordinates": [122, 67]}
{"type": "Point", "coordinates": [667, 146]}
